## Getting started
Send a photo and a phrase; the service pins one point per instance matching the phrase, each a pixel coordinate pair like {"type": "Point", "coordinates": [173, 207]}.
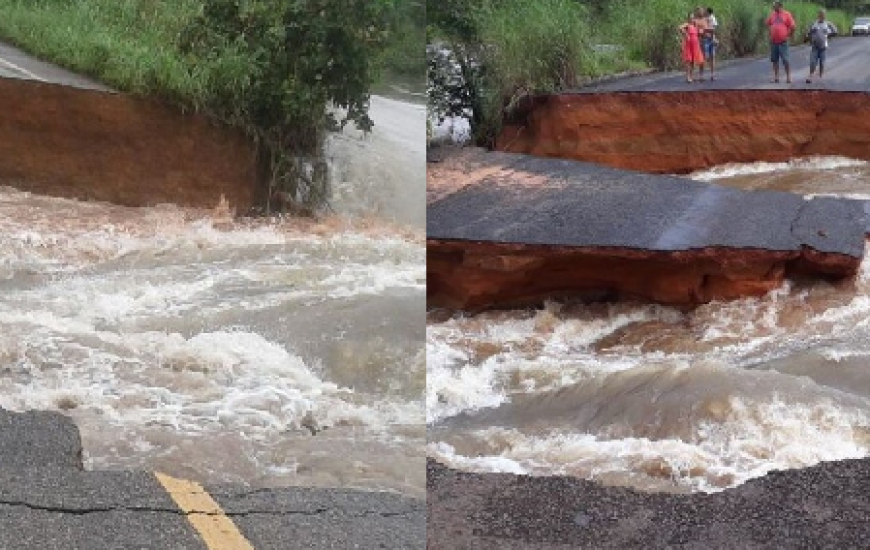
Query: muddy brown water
{"type": "Point", "coordinates": [651, 397]}
{"type": "Point", "coordinates": [265, 352]}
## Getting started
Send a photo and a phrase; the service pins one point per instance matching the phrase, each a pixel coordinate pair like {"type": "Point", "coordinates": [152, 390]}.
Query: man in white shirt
{"type": "Point", "coordinates": [817, 35]}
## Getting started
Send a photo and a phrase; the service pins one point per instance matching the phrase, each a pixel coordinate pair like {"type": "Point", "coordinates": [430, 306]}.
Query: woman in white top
{"type": "Point", "coordinates": [709, 42]}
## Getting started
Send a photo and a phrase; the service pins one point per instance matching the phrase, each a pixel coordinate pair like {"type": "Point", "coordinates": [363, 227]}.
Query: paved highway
{"type": "Point", "coordinates": [845, 70]}
{"type": "Point", "coordinates": [16, 64]}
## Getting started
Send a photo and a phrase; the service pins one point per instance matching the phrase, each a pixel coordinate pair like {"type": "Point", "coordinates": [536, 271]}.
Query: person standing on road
{"type": "Point", "coordinates": [781, 25]}
{"type": "Point", "coordinates": [691, 46]}
{"type": "Point", "coordinates": [817, 35]}
{"type": "Point", "coordinates": [709, 43]}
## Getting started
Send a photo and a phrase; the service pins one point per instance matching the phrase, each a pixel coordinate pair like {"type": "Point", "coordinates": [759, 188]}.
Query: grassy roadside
{"type": "Point", "coordinates": [285, 72]}
{"type": "Point", "coordinates": [129, 45]}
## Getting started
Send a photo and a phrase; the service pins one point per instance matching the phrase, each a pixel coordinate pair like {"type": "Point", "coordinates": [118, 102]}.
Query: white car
{"type": "Point", "coordinates": [861, 26]}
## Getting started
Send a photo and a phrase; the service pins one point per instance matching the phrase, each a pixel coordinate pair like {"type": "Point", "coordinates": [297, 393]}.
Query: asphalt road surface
{"type": "Point", "coordinates": [571, 203]}
{"type": "Point", "coordinates": [16, 64]}
{"type": "Point", "coordinates": [825, 506]}
{"type": "Point", "coordinates": [48, 502]}
{"type": "Point", "coordinates": [846, 69]}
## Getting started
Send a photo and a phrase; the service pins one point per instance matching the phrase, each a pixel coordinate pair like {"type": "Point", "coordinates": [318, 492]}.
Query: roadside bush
{"type": "Point", "coordinates": [289, 72]}
{"type": "Point", "coordinates": [648, 30]}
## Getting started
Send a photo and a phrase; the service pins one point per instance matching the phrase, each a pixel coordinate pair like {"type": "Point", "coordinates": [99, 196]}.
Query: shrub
{"type": "Point", "coordinates": [289, 72]}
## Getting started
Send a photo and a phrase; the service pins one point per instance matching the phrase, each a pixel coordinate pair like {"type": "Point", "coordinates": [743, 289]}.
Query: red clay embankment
{"type": "Point", "coordinates": [679, 132]}
{"type": "Point", "coordinates": [93, 145]}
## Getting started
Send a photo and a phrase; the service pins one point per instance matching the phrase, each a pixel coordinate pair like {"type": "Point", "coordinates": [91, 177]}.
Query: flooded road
{"type": "Point", "coordinates": [267, 352]}
{"type": "Point", "coordinates": [383, 174]}
{"type": "Point", "coordinates": [657, 398]}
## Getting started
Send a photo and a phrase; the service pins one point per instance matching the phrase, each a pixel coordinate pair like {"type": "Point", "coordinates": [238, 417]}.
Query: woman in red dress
{"type": "Point", "coordinates": [691, 46]}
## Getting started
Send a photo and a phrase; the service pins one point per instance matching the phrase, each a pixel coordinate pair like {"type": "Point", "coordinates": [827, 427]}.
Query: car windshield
{"type": "Point", "coordinates": [862, 21]}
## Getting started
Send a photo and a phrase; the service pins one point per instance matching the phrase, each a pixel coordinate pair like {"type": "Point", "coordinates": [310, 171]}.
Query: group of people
{"type": "Point", "coordinates": [700, 42]}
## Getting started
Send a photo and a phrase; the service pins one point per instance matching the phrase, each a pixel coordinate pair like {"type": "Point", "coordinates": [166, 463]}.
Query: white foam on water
{"type": "Point", "coordinates": [754, 439]}
{"type": "Point", "coordinates": [525, 353]}
{"type": "Point", "coordinates": [452, 388]}
{"type": "Point", "coordinates": [156, 328]}
{"type": "Point", "coordinates": [481, 364]}
{"type": "Point", "coordinates": [742, 169]}
{"type": "Point", "coordinates": [206, 383]}
{"type": "Point", "coordinates": [375, 279]}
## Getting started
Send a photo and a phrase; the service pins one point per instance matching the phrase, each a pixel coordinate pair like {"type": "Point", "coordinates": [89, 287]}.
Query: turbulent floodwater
{"type": "Point", "coordinates": [659, 399]}
{"type": "Point", "coordinates": [263, 352]}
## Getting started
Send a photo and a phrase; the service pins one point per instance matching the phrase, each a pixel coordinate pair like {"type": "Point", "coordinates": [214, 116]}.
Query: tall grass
{"type": "Point", "coordinates": [806, 12]}
{"type": "Point", "coordinates": [534, 47]}
{"type": "Point", "coordinates": [128, 44]}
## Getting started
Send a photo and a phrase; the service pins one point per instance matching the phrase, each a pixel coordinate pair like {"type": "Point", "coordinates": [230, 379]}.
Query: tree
{"type": "Point", "coordinates": [289, 71]}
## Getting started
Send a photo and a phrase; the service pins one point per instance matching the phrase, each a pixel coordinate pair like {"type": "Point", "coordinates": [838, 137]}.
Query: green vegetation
{"type": "Point", "coordinates": [506, 50]}
{"type": "Point", "coordinates": [285, 71]}
{"type": "Point", "coordinates": [486, 56]}
{"type": "Point", "coordinates": [404, 57]}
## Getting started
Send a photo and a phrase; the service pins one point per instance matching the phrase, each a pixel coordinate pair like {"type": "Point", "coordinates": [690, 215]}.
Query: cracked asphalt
{"type": "Point", "coordinates": [47, 501]}
{"type": "Point", "coordinates": [542, 201]}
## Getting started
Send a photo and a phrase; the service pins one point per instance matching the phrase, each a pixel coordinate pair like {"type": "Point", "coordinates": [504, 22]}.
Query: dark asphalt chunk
{"type": "Point", "coordinates": [553, 202]}
{"type": "Point", "coordinates": [825, 506]}
{"type": "Point", "coordinates": [830, 224]}
{"type": "Point", "coordinates": [38, 439]}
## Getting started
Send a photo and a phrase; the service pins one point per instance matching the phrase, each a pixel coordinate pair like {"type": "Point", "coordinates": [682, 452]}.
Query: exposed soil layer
{"type": "Point", "coordinates": [824, 506]}
{"type": "Point", "coordinates": [476, 276]}
{"type": "Point", "coordinates": [679, 132]}
{"type": "Point", "coordinates": [94, 145]}
{"type": "Point", "coordinates": [508, 230]}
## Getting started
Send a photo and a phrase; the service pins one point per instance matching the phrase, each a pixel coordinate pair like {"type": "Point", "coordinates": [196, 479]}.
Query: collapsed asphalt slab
{"type": "Point", "coordinates": [519, 229]}
{"type": "Point", "coordinates": [47, 501]}
{"type": "Point", "coordinates": [824, 506]}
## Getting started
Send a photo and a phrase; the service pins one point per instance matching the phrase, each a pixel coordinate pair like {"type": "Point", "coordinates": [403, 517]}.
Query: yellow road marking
{"type": "Point", "coordinates": [22, 70]}
{"type": "Point", "coordinates": [204, 514]}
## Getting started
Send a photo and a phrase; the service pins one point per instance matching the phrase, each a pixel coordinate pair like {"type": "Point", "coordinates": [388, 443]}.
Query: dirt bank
{"type": "Point", "coordinates": [93, 145]}
{"type": "Point", "coordinates": [477, 276]}
{"type": "Point", "coordinates": [679, 132]}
